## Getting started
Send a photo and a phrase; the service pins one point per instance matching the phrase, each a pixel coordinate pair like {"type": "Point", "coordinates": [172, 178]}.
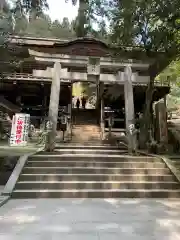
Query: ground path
{"type": "Point", "coordinates": [89, 219]}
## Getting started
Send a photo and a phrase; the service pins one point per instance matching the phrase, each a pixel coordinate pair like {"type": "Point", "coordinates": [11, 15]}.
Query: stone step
{"type": "Point", "coordinates": [93, 170]}
{"type": "Point", "coordinates": [38, 185]}
{"type": "Point", "coordinates": [90, 138]}
{"type": "Point", "coordinates": [83, 122]}
{"type": "Point", "coordinates": [87, 139]}
{"type": "Point", "coordinates": [99, 193]}
{"type": "Point", "coordinates": [97, 177]}
{"type": "Point", "coordinates": [87, 128]}
{"type": "Point", "coordinates": [95, 164]}
{"type": "Point", "coordinates": [85, 132]}
{"type": "Point", "coordinates": [92, 158]}
{"type": "Point", "coordinates": [87, 151]}
{"type": "Point", "coordinates": [84, 153]}
{"type": "Point", "coordinates": [88, 146]}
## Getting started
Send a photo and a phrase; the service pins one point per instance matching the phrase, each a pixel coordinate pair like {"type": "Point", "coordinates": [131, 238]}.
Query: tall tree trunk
{"type": "Point", "coordinates": [146, 123]}
{"type": "Point", "coordinates": [32, 15]}
{"type": "Point", "coordinates": [2, 4]}
{"type": "Point", "coordinates": [81, 19]}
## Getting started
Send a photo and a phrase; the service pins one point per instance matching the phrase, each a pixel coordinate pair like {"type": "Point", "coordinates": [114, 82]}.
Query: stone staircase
{"type": "Point", "coordinates": [88, 133]}
{"type": "Point", "coordinates": [85, 128]}
{"type": "Point", "coordinates": [98, 171]}
{"type": "Point", "coordinates": [84, 116]}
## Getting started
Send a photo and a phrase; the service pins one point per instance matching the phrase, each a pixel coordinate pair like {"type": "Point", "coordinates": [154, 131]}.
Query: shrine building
{"type": "Point", "coordinates": [42, 84]}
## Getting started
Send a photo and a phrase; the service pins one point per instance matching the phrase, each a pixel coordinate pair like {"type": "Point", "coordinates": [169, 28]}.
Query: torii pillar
{"type": "Point", "coordinates": [54, 105]}
{"type": "Point", "coordinates": [129, 109]}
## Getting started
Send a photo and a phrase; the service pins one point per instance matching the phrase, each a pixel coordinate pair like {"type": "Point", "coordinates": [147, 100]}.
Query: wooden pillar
{"type": "Point", "coordinates": [54, 105]}
{"type": "Point", "coordinates": [129, 109]}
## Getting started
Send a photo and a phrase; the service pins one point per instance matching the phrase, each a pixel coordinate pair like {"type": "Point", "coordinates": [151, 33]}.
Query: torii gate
{"type": "Point", "coordinates": [127, 78]}
{"type": "Point", "coordinates": [124, 78]}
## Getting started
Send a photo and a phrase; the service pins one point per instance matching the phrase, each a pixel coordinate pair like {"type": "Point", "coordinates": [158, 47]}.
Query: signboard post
{"type": "Point", "coordinates": [20, 129]}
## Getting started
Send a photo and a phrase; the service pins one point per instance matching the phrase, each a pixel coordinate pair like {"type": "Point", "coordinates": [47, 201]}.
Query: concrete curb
{"type": "Point", "coordinates": [9, 187]}
{"type": "Point", "coordinates": [3, 200]}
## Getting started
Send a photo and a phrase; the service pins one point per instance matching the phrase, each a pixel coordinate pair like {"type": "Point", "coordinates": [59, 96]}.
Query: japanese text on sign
{"type": "Point", "coordinates": [19, 129]}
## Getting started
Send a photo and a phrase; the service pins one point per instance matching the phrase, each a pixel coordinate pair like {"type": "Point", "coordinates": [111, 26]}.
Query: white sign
{"type": "Point", "coordinates": [20, 129]}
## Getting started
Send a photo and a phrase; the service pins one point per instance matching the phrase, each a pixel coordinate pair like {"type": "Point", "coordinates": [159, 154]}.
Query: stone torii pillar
{"type": "Point", "coordinates": [129, 109]}
{"type": "Point", "coordinates": [102, 111]}
{"type": "Point", "coordinates": [54, 105]}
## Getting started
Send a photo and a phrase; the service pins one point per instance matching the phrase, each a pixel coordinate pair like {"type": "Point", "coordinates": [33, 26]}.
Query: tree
{"type": "Point", "coordinates": [7, 60]}
{"type": "Point", "coordinates": [33, 7]}
{"type": "Point", "coordinates": [14, 21]}
{"type": "Point", "coordinates": [171, 73]}
{"type": "Point", "coordinates": [63, 30]}
{"type": "Point", "coordinates": [90, 12]}
{"type": "Point", "coordinates": [40, 27]}
{"type": "Point", "coordinates": [153, 25]}
{"type": "Point", "coordinates": [20, 18]}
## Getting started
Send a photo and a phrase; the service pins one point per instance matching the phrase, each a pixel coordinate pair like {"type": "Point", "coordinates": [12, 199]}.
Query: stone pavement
{"type": "Point", "coordinates": [92, 219]}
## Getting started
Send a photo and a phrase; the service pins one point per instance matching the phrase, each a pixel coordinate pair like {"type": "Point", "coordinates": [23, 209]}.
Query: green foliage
{"type": "Point", "coordinates": [42, 26]}
{"type": "Point", "coordinates": [33, 7]}
{"type": "Point", "coordinates": [15, 21]}
{"type": "Point", "coordinates": [172, 72]}
{"type": "Point", "coordinates": [92, 18]}
{"type": "Point", "coordinates": [153, 24]}
{"type": "Point", "coordinates": [39, 27]}
{"type": "Point", "coordinates": [6, 28]}
{"type": "Point", "coordinates": [62, 30]}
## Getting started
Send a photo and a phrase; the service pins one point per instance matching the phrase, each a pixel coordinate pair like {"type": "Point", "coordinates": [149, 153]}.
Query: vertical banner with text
{"type": "Point", "coordinates": [20, 129]}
